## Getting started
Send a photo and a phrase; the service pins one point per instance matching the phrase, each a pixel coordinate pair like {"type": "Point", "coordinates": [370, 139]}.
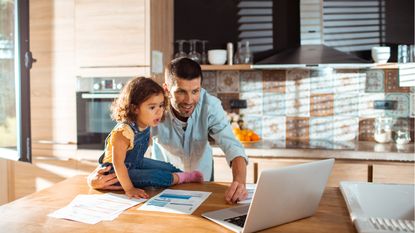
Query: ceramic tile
{"type": "Point", "coordinates": [274, 104]}
{"type": "Point", "coordinates": [366, 129]}
{"type": "Point", "coordinates": [227, 82]}
{"type": "Point", "coordinates": [401, 123]}
{"type": "Point", "coordinates": [254, 123]}
{"type": "Point", "coordinates": [346, 104]}
{"type": "Point", "coordinates": [402, 110]}
{"type": "Point", "coordinates": [344, 145]}
{"type": "Point", "coordinates": [322, 144]}
{"type": "Point", "coordinates": [375, 81]}
{"type": "Point", "coordinates": [209, 81]}
{"type": "Point", "coordinates": [297, 104]}
{"type": "Point", "coordinates": [273, 128]}
{"type": "Point", "coordinates": [321, 105]}
{"type": "Point", "coordinates": [345, 128]}
{"type": "Point", "coordinates": [250, 81]}
{"type": "Point", "coordinates": [349, 82]}
{"type": "Point", "coordinates": [226, 98]}
{"type": "Point", "coordinates": [321, 128]}
{"type": "Point", "coordinates": [407, 75]}
{"type": "Point", "coordinates": [297, 143]}
{"type": "Point", "coordinates": [274, 81]}
{"type": "Point", "coordinates": [321, 81]}
{"type": "Point", "coordinates": [392, 82]}
{"type": "Point", "coordinates": [366, 105]}
{"type": "Point", "coordinates": [297, 128]}
{"type": "Point", "coordinates": [254, 103]}
{"type": "Point", "coordinates": [298, 80]}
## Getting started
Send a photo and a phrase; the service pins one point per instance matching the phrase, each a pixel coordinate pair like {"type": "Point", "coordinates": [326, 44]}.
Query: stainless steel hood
{"type": "Point", "coordinates": [310, 55]}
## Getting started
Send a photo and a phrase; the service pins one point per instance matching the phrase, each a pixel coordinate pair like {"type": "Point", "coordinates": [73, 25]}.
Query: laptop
{"type": "Point", "coordinates": [282, 195]}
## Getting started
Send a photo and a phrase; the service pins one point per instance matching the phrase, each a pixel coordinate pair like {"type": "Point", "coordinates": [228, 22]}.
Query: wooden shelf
{"type": "Point", "coordinates": [227, 67]}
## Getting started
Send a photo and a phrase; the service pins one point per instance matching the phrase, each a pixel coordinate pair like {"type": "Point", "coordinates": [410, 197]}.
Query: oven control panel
{"type": "Point", "coordinates": [107, 85]}
{"type": "Point", "coordinates": [101, 84]}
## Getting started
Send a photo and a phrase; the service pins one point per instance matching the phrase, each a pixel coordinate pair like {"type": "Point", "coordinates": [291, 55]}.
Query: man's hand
{"type": "Point", "coordinates": [236, 192]}
{"type": "Point", "coordinates": [97, 179]}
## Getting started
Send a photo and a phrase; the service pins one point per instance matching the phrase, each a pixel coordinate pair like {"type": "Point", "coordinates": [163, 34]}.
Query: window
{"type": "Point", "coordinates": [15, 64]}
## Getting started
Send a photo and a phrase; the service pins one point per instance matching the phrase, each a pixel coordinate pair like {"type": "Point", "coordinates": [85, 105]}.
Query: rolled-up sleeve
{"type": "Point", "coordinates": [221, 130]}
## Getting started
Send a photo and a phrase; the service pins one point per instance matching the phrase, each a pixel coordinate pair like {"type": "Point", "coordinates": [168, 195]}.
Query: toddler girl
{"type": "Point", "coordinates": [140, 105]}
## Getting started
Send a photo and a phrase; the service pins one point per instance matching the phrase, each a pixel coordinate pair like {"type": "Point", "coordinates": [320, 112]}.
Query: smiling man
{"type": "Point", "coordinates": [182, 138]}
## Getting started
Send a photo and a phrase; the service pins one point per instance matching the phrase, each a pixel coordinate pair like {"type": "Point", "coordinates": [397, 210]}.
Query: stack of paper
{"type": "Point", "coordinates": [92, 209]}
{"type": "Point", "coordinates": [176, 201]}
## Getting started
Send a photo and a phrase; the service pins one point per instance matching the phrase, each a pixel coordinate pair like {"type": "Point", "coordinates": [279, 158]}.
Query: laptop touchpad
{"type": "Point", "coordinates": [240, 209]}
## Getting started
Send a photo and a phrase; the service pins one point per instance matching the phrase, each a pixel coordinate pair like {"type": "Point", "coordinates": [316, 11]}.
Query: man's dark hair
{"type": "Point", "coordinates": [183, 68]}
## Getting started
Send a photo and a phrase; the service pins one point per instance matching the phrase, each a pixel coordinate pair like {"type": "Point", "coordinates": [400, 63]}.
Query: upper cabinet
{"type": "Point", "coordinates": [115, 37]}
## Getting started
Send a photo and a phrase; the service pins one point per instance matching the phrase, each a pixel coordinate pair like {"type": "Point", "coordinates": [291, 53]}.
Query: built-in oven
{"type": "Point", "coordinates": [94, 97]}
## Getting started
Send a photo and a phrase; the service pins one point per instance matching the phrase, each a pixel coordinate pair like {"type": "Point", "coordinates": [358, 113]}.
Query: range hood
{"type": "Point", "coordinates": [310, 55]}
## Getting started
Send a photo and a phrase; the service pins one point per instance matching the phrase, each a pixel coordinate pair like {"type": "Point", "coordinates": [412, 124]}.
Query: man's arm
{"type": "Point", "coordinates": [237, 190]}
{"type": "Point", "coordinates": [97, 179]}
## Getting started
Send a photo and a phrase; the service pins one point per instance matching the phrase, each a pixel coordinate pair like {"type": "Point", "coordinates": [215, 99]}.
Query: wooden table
{"type": "Point", "coordinates": [29, 214]}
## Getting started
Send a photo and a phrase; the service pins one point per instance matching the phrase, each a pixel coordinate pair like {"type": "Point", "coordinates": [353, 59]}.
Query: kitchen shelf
{"type": "Point", "coordinates": [227, 67]}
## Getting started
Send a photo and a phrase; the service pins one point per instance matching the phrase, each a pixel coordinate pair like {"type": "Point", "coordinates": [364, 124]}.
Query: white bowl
{"type": "Point", "coordinates": [217, 56]}
{"type": "Point", "coordinates": [381, 54]}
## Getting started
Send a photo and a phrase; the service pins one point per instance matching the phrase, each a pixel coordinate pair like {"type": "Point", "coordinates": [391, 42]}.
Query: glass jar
{"type": "Point", "coordinates": [383, 129]}
{"type": "Point", "coordinates": [402, 137]}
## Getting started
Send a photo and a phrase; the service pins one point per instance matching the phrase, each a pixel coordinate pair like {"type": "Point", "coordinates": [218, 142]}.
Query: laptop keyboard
{"type": "Point", "coordinates": [238, 220]}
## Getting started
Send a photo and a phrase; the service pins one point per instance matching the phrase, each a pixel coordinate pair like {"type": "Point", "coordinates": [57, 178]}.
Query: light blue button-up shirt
{"type": "Point", "coordinates": [189, 149]}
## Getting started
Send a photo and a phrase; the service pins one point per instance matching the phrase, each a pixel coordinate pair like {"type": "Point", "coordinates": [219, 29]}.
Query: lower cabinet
{"type": "Point", "coordinates": [343, 170]}
{"type": "Point", "coordinates": [397, 173]}
{"type": "Point", "coordinates": [223, 173]}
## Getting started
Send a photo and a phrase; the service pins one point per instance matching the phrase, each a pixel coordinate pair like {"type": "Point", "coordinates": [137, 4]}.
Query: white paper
{"type": "Point", "coordinates": [176, 201]}
{"type": "Point", "coordinates": [250, 188]}
{"type": "Point", "coordinates": [94, 208]}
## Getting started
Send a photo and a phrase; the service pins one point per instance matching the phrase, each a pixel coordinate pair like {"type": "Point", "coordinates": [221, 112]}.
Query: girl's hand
{"type": "Point", "coordinates": [136, 193]}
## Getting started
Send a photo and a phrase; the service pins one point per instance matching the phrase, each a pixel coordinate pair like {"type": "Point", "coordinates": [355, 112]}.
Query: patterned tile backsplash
{"type": "Point", "coordinates": [314, 107]}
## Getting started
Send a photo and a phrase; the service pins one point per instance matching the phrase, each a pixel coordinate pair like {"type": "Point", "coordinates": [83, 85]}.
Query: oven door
{"type": "Point", "coordinates": [93, 119]}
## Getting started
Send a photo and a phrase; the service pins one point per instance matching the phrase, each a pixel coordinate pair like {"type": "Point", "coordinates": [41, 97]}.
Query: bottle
{"type": "Point", "coordinates": [237, 57]}
{"type": "Point", "coordinates": [229, 47]}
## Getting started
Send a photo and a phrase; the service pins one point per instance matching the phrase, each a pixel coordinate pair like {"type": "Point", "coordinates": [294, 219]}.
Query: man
{"type": "Point", "coordinates": [182, 138]}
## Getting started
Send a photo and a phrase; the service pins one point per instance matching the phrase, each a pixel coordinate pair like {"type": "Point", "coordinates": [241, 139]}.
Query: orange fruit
{"type": "Point", "coordinates": [255, 137]}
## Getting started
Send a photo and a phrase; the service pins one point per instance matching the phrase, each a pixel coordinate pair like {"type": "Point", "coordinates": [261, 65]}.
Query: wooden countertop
{"type": "Point", "coordinates": [29, 214]}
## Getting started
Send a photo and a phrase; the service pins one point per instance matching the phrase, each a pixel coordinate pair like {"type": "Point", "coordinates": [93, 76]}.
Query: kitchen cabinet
{"type": "Point", "coordinates": [399, 173]}
{"type": "Point", "coordinates": [116, 38]}
{"type": "Point", "coordinates": [342, 171]}
{"type": "Point", "coordinates": [223, 173]}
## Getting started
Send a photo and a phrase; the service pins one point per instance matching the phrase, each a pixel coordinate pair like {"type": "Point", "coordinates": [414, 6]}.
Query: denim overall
{"type": "Point", "coordinates": [143, 171]}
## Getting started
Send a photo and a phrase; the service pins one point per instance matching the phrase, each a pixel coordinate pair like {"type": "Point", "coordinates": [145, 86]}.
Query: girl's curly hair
{"type": "Point", "coordinates": [134, 93]}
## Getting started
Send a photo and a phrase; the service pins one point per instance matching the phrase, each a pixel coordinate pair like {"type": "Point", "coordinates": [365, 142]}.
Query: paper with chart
{"type": "Point", "coordinates": [94, 208]}
{"type": "Point", "coordinates": [176, 201]}
{"type": "Point", "coordinates": [250, 189]}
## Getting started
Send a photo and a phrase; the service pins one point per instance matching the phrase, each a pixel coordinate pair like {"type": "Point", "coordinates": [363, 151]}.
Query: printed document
{"type": "Point", "coordinates": [250, 188]}
{"type": "Point", "coordinates": [94, 208]}
{"type": "Point", "coordinates": [176, 201]}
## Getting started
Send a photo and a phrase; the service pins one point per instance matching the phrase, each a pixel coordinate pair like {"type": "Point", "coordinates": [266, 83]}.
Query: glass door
{"type": "Point", "coordinates": [15, 64]}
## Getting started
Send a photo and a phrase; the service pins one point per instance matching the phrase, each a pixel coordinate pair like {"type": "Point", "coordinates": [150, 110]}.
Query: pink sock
{"type": "Point", "coordinates": [188, 177]}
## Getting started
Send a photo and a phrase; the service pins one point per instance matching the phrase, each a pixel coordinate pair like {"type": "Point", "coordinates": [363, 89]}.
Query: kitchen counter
{"type": "Point", "coordinates": [348, 151]}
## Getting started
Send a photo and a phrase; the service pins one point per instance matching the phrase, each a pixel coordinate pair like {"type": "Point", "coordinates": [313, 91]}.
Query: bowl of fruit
{"type": "Point", "coordinates": [242, 133]}
{"type": "Point", "coordinates": [246, 135]}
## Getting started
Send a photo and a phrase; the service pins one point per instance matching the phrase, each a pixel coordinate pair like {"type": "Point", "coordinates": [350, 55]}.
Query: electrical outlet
{"type": "Point", "coordinates": [238, 103]}
{"type": "Point", "coordinates": [385, 104]}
